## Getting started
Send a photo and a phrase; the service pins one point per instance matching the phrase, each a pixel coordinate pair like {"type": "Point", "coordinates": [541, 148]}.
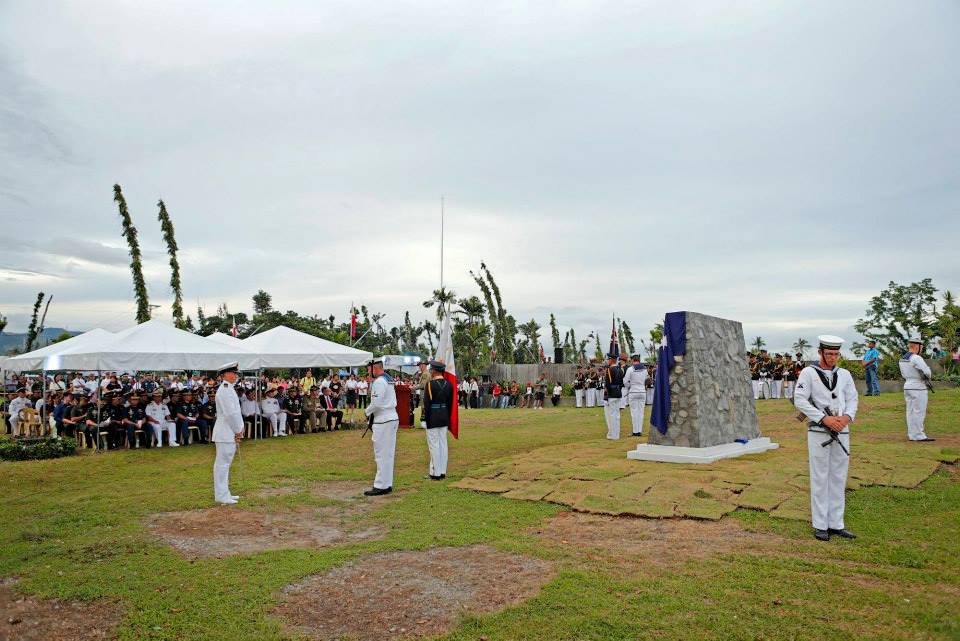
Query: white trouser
{"type": "Point", "coordinates": [384, 448]}
{"type": "Point", "coordinates": [273, 423]}
{"type": "Point", "coordinates": [756, 389]}
{"type": "Point", "coordinates": [14, 422]}
{"type": "Point", "coordinates": [637, 401]}
{"type": "Point", "coordinates": [777, 389]}
{"type": "Point", "coordinates": [649, 391]}
{"type": "Point", "coordinates": [828, 480]}
{"type": "Point", "coordinates": [916, 413]}
{"type": "Point", "coordinates": [171, 428]}
{"type": "Point", "coordinates": [612, 413]}
{"type": "Point", "coordinates": [600, 400]}
{"type": "Point", "coordinates": [439, 450]}
{"type": "Point", "coordinates": [221, 471]}
{"type": "Point", "coordinates": [578, 394]}
{"type": "Point", "coordinates": [282, 424]}
{"type": "Point", "coordinates": [591, 394]}
{"type": "Point", "coordinates": [788, 388]}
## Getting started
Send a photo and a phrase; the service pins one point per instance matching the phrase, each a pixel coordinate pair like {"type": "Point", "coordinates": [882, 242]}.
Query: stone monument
{"type": "Point", "coordinates": [711, 412]}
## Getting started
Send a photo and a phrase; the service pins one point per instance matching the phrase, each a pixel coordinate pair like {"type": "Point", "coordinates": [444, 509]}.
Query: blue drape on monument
{"type": "Point", "coordinates": [674, 344]}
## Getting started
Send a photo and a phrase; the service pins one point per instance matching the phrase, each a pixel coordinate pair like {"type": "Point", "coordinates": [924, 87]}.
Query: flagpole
{"type": "Point", "coordinates": [441, 239]}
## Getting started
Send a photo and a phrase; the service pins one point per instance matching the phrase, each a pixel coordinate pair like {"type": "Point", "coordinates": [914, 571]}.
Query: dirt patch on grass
{"type": "Point", "coordinates": [402, 595]}
{"type": "Point", "coordinates": [652, 540]}
{"type": "Point", "coordinates": [341, 490]}
{"type": "Point", "coordinates": [226, 531]}
{"type": "Point", "coordinates": [28, 618]}
{"type": "Point", "coordinates": [270, 492]}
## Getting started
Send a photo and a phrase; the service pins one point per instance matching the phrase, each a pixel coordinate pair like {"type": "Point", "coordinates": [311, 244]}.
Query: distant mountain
{"type": "Point", "coordinates": [9, 340]}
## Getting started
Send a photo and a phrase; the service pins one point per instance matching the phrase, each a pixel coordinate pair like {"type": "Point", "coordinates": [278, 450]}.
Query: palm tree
{"type": "Point", "coordinates": [136, 267]}
{"type": "Point", "coordinates": [471, 307]}
{"type": "Point", "coordinates": [441, 298]}
{"type": "Point", "coordinates": [801, 346]}
{"type": "Point", "coordinates": [758, 343]}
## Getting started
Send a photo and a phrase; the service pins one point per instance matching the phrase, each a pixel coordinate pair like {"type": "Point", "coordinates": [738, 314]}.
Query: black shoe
{"type": "Point", "coordinates": [821, 535]}
{"type": "Point", "coordinates": [925, 440]}
{"type": "Point", "coordinates": [435, 477]}
{"type": "Point", "coordinates": [846, 534]}
{"type": "Point", "coordinates": [376, 491]}
{"type": "Point", "coordinates": [637, 434]}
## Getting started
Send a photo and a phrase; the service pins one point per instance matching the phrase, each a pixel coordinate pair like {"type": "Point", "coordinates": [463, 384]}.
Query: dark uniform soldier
{"type": "Point", "coordinates": [117, 413]}
{"type": "Point", "coordinates": [311, 405]}
{"type": "Point", "coordinates": [136, 419]}
{"type": "Point", "coordinates": [613, 384]}
{"type": "Point", "coordinates": [789, 376]}
{"type": "Point", "coordinates": [777, 374]}
{"type": "Point", "coordinates": [292, 405]}
{"type": "Point", "coordinates": [208, 416]}
{"type": "Point", "coordinates": [98, 415]}
{"type": "Point", "coordinates": [437, 405]}
{"type": "Point", "coordinates": [187, 413]}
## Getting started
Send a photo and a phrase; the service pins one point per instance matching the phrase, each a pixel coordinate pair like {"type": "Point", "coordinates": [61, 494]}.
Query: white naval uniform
{"type": "Point", "coordinates": [590, 392]}
{"type": "Point", "coordinates": [270, 410]}
{"type": "Point", "coordinates": [635, 391]}
{"type": "Point", "coordinates": [914, 370]}
{"type": "Point", "coordinates": [578, 394]}
{"type": "Point", "coordinates": [159, 412]}
{"type": "Point", "coordinates": [383, 409]}
{"type": "Point", "coordinates": [229, 424]}
{"type": "Point", "coordinates": [828, 465]}
{"type": "Point", "coordinates": [16, 405]}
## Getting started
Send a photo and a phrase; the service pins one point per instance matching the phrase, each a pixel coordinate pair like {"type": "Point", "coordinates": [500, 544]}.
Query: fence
{"type": "Point", "coordinates": [522, 373]}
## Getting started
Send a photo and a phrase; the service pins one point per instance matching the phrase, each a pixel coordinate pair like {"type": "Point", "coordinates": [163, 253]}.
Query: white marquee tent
{"type": "Point", "coordinates": [153, 345]}
{"type": "Point", "coordinates": [285, 347]}
{"type": "Point", "coordinates": [37, 359]}
{"type": "Point", "coordinates": [225, 339]}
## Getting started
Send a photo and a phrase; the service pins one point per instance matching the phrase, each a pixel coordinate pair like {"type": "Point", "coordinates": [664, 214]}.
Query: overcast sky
{"type": "Point", "coordinates": [772, 162]}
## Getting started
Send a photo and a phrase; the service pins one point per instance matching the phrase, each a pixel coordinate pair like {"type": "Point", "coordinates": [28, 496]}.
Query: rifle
{"type": "Point", "coordinates": [927, 382]}
{"type": "Point", "coordinates": [369, 426]}
{"type": "Point", "coordinates": [833, 435]}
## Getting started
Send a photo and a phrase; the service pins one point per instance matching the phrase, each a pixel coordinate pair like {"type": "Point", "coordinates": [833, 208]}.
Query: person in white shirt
{"type": "Point", "coordinates": [826, 395]}
{"type": "Point", "coordinates": [557, 392]}
{"type": "Point", "coordinates": [19, 403]}
{"type": "Point", "coordinates": [159, 418]}
{"type": "Point", "coordinates": [363, 389]}
{"type": "Point", "coordinates": [384, 421]}
{"type": "Point", "coordinates": [249, 410]}
{"type": "Point", "coordinates": [270, 410]}
{"type": "Point", "coordinates": [635, 386]}
{"type": "Point", "coordinates": [916, 376]}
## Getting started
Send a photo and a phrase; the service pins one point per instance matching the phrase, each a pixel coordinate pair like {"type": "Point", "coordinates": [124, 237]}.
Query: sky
{"type": "Point", "coordinates": [777, 163]}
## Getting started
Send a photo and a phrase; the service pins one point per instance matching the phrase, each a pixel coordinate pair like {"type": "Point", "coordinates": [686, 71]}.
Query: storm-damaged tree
{"type": "Point", "coordinates": [33, 328]}
{"type": "Point", "coordinates": [136, 265]}
{"type": "Point", "coordinates": [555, 333]}
{"type": "Point", "coordinates": [166, 226]}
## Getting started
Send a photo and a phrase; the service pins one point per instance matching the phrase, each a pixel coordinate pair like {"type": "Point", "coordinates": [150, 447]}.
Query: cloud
{"type": "Point", "coordinates": [761, 161]}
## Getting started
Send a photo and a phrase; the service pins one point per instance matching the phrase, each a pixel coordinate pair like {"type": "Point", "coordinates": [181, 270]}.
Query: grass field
{"type": "Point", "coordinates": [75, 529]}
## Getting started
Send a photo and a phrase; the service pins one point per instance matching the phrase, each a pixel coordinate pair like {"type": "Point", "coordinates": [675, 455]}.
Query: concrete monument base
{"type": "Point", "coordinates": [677, 454]}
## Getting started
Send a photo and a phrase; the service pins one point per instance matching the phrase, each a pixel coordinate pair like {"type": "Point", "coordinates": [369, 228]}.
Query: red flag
{"type": "Point", "coordinates": [454, 418]}
{"type": "Point", "coordinates": [353, 324]}
{"type": "Point", "coordinates": [234, 328]}
{"type": "Point", "coordinates": [543, 357]}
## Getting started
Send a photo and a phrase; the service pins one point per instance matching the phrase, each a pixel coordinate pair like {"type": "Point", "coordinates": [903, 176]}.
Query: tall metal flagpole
{"type": "Point", "coordinates": [441, 240]}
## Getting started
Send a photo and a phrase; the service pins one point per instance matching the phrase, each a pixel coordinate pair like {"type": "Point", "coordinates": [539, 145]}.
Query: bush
{"type": "Point", "coordinates": [36, 449]}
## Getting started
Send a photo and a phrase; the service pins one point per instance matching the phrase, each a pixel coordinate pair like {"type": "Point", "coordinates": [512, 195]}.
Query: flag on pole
{"type": "Point", "coordinates": [614, 343]}
{"type": "Point", "coordinates": [233, 330]}
{"type": "Point", "coordinates": [445, 354]}
{"type": "Point", "coordinates": [543, 357]}
{"type": "Point", "coordinates": [353, 322]}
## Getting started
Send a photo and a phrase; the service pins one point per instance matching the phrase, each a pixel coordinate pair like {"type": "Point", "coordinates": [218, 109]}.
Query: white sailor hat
{"type": "Point", "coordinates": [373, 361]}
{"type": "Point", "coordinates": [915, 338]}
{"type": "Point", "coordinates": [229, 367]}
{"type": "Point", "coordinates": [830, 342]}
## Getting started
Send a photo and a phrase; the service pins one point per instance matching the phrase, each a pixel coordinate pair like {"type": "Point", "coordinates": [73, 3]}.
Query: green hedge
{"type": "Point", "coordinates": [36, 449]}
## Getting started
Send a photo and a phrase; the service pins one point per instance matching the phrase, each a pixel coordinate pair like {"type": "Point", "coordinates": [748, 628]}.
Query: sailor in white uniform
{"type": "Point", "coordinates": [635, 391]}
{"type": "Point", "coordinates": [382, 412]}
{"type": "Point", "coordinates": [227, 432]}
{"type": "Point", "coordinates": [827, 397]}
{"type": "Point", "coordinates": [159, 418]}
{"type": "Point", "coordinates": [270, 410]}
{"type": "Point", "coordinates": [916, 376]}
{"type": "Point", "coordinates": [21, 402]}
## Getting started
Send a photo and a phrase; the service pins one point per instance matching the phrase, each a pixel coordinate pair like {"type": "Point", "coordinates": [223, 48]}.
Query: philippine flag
{"type": "Point", "coordinates": [445, 354]}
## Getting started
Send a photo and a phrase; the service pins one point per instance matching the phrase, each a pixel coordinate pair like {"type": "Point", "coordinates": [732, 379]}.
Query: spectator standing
{"type": "Point", "coordinates": [871, 363]}
{"type": "Point", "coordinates": [557, 391]}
